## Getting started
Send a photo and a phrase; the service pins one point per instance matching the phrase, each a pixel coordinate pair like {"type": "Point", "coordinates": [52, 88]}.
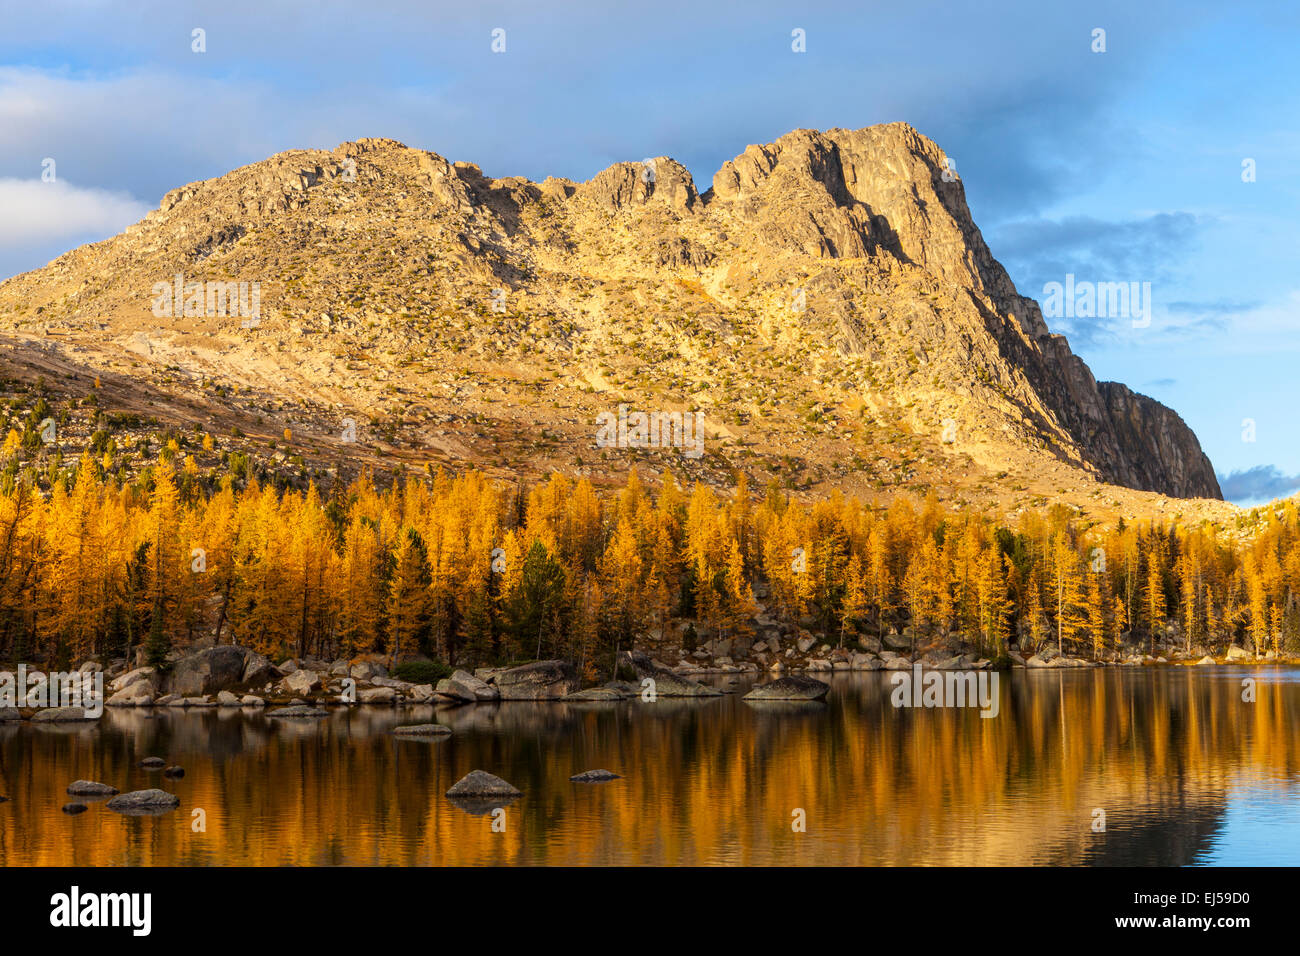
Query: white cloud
{"type": "Point", "coordinates": [37, 212]}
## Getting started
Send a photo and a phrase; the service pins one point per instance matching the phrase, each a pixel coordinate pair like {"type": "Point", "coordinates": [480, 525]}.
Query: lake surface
{"type": "Point", "coordinates": [1185, 770]}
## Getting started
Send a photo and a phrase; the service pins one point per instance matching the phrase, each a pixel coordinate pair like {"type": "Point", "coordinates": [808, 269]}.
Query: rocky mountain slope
{"type": "Point", "coordinates": [828, 305]}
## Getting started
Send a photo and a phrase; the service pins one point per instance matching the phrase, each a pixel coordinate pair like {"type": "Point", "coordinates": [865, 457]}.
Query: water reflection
{"type": "Point", "coordinates": [1173, 756]}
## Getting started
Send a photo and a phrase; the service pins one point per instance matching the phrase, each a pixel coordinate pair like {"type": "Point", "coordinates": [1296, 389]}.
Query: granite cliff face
{"type": "Point", "coordinates": [828, 303]}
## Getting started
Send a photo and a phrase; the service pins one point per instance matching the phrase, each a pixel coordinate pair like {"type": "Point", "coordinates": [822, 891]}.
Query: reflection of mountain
{"type": "Point", "coordinates": [705, 782]}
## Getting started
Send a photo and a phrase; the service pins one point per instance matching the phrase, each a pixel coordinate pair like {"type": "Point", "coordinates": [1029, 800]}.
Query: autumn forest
{"type": "Point", "coordinates": [470, 571]}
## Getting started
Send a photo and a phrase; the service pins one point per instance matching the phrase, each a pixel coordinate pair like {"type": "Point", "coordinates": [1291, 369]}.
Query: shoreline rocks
{"type": "Point", "coordinates": [540, 680]}
{"type": "Point", "coordinates": [666, 682]}
{"type": "Point", "coordinates": [61, 715]}
{"type": "Point", "coordinates": [464, 687]}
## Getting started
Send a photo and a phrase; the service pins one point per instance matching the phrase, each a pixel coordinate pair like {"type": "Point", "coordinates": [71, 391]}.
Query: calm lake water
{"type": "Point", "coordinates": [1186, 772]}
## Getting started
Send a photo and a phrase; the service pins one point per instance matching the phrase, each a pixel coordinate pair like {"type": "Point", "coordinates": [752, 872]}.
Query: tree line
{"type": "Point", "coordinates": [472, 571]}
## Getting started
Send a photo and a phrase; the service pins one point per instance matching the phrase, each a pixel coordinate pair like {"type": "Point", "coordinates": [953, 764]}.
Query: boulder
{"type": "Point", "coordinates": [479, 783]}
{"type": "Point", "coordinates": [91, 788]}
{"type": "Point", "coordinates": [139, 694]}
{"type": "Point", "coordinates": [422, 730]}
{"type": "Point", "coordinates": [1207, 659]}
{"type": "Point", "coordinates": [422, 692]}
{"type": "Point", "coordinates": [464, 686]}
{"type": "Point", "coordinates": [820, 664]}
{"type": "Point", "coordinates": [207, 671]}
{"type": "Point", "coordinates": [61, 715]}
{"type": "Point", "coordinates": [594, 776]}
{"type": "Point", "coordinates": [248, 700]}
{"type": "Point", "coordinates": [9, 713]}
{"type": "Point", "coordinates": [1236, 653]}
{"type": "Point", "coordinates": [377, 695]}
{"type": "Point", "coordinates": [541, 680]}
{"type": "Point", "coordinates": [226, 699]}
{"type": "Point", "coordinates": [896, 642]}
{"type": "Point", "coordinates": [666, 683]}
{"type": "Point", "coordinates": [794, 687]}
{"type": "Point", "coordinates": [139, 675]}
{"type": "Point", "coordinates": [300, 682]}
{"type": "Point", "coordinates": [258, 670]}
{"type": "Point", "coordinates": [401, 686]}
{"type": "Point", "coordinates": [367, 670]}
{"type": "Point", "coordinates": [144, 802]}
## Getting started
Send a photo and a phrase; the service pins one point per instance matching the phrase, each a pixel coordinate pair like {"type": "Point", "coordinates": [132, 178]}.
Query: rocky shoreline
{"type": "Point", "coordinates": [229, 676]}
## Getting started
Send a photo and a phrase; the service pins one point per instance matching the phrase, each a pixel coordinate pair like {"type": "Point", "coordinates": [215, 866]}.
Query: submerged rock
{"type": "Point", "coordinates": [794, 687]}
{"type": "Point", "coordinates": [91, 788]}
{"type": "Point", "coordinates": [299, 711]}
{"type": "Point", "coordinates": [422, 730]}
{"type": "Point", "coordinates": [594, 776]}
{"type": "Point", "coordinates": [144, 802]}
{"type": "Point", "coordinates": [74, 808]}
{"type": "Point", "coordinates": [9, 713]}
{"type": "Point", "coordinates": [174, 772]}
{"type": "Point", "coordinates": [480, 783]}
{"type": "Point", "coordinates": [153, 763]}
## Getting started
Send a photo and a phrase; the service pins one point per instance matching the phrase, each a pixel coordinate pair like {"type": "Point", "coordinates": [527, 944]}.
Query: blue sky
{"type": "Point", "coordinates": [1117, 166]}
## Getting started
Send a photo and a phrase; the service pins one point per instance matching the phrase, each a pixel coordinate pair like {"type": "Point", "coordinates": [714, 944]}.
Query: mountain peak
{"type": "Point", "coordinates": [829, 302]}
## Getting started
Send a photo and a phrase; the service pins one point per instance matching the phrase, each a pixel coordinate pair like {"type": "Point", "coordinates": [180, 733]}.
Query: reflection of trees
{"type": "Point", "coordinates": [711, 781]}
